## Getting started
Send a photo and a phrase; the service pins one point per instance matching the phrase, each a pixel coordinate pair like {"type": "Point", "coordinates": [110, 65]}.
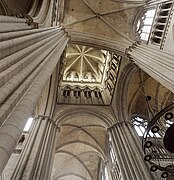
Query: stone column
{"type": "Point", "coordinates": [27, 60]}
{"type": "Point", "coordinates": [9, 24]}
{"type": "Point", "coordinates": [37, 156]}
{"type": "Point", "coordinates": [128, 153]}
{"type": "Point", "coordinates": [159, 64]}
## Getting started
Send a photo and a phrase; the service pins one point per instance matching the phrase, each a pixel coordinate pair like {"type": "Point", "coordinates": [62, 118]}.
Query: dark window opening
{"type": "Point", "coordinates": [66, 93]}
{"type": "Point", "coordinates": [87, 94]}
{"type": "Point", "coordinates": [77, 93]}
{"type": "Point", "coordinates": [109, 87]}
{"type": "Point", "coordinates": [113, 66]}
{"type": "Point", "coordinates": [111, 77]}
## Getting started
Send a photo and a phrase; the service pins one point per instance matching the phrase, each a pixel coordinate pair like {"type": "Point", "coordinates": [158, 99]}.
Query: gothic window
{"type": "Point", "coordinates": [113, 164]}
{"type": "Point", "coordinates": [97, 93]}
{"type": "Point", "coordinates": [161, 22]}
{"type": "Point", "coordinates": [109, 87]}
{"type": "Point", "coordinates": [105, 175]}
{"type": "Point", "coordinates": [111, 77]}
{"type": "Point", "coordinates": [87, 93]}
{"type": "Point", "coordinates": [23, 135]}
{"type": "Point", "coordinates": [66, 92]}
{"type": "Point", "coordinates": [77, 92]}
{"type": "Point", "coordinates": [113, 66]}
{"type": "Point", "coordinates": [111, 152]}
{"type": "Point", "coordinates": [140, 125]}
{"type": "Point", "coordinates": [28, 125]}
{"type": "Point", "coordinates": [145, 23]}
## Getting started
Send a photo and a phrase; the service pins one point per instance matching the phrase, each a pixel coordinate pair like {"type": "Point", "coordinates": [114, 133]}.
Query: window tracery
{"type": "Point", "coordinates": [153, 23]}
{"type": "Point", "coordinates": [24, 136]}
{"type": "Point", "coordinates": [77, 92]}
{"type": "Point", "coordinates": [97, 93]}
{"type": "Point", "coordinates": [140, 125]}
{"type": "Point", "coordinates": [66, 92]}
{"type": "Point", "coordinates": [144, 24]}
{"type": "Point", "coordinates": [88, 67]}
{"type": "Point", "coordinates": [161, 22]}
{"type": "Point", "coordinates": [87, 93]}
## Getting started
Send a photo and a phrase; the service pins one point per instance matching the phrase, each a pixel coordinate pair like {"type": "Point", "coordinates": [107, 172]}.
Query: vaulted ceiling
{"type": "Point", "coordinates": [83, 63]}
{"type": "Point", "coordinates": [101, 19]}
{"type": "Point", "coordinates": [101, 23]}
{"type": "Point", "coordinates": [79, 148]}
{"type": "Point", "coordinates": [142, 85]}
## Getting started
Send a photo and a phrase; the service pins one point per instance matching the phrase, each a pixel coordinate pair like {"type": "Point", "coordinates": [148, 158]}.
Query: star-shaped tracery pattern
{"type": "Point", "coordinates": [83, 64]}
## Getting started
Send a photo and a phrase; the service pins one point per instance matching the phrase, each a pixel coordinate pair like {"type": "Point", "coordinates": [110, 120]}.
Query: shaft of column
{"type": "Point", "coordinates": [13, 45]}
{"type": "Point", "coordinates": [37, 157]}
{"type": "Point", "coordinates": [128, 154]}
{"type": "Point", "coordinates": [13, 126]}
{"type": "Point", "coordinates": [16, 87]}
{"type": "Point", "coordinates": [10, 24]}
{"type": "Point", "coordinates": [26, 151]}
{"type": "Point", "coordinates": [44, 164]}
{"type": "Point", "coordinates": [118, 154]}
{"type": "Point", "coordinates": [10, 82]}
{"type": "Point", "coordinates": [157, 63]}
{"type": "Point", "coordinates": [15, 57]}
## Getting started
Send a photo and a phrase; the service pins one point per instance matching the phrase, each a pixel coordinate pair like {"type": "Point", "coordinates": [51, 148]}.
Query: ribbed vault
{"type": "Point", "coordinates": [80, 146]}
{"type": "Point", "coordinates": [83, 64]}
{"type": "Point", "coordinates": [141, 86]}
{"type": "Point", "coordinates": [101, 20]}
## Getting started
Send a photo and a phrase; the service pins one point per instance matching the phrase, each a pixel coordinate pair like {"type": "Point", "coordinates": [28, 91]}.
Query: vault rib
{"type": "Point", "coordinates": [95, 57]}
{"type": "Point", "coordinates": [113, 28]}
{"type": "Point", "coordinates": [74, 156]}
{"type": "Point", "coordinates": [72, 64]}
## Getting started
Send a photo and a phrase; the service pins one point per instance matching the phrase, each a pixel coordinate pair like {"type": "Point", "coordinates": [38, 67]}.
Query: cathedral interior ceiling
{"type": "Point", "coordinates": [81, 144]}
{"type": "Point", "coordinates": [102, 23]}
{"type": "Point", "coordinates": [80, 148]}
{"type": "Point", "coordinates": [106, 19]}
{"type": "Point", "coordinates": [84, 61]}
{"type": "Point", "coordinates": [141, 86]}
